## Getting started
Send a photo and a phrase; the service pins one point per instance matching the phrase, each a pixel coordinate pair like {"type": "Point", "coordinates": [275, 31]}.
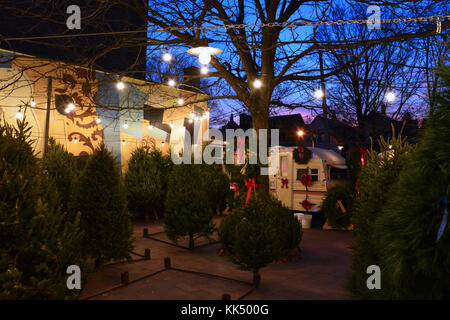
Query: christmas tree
{"type": "Point", "coordinates": [412, 232]}
{"type": "Point", "coordinates": [61, 168]}
{"type": "Point", "coordinates": [101, 199]}
{"type": "Point", "coordinates": [217, 187]}
{"type": "Point", "coordinates": [375, 182]}
{"type": "Point", "coordinates": [38, 241]}
{"type": "Point", "coordinates": [258, 232]}
{"type": "Point", "coordinates": [187, 206]}
{"type": "Point", "coordinates": [143, 181]}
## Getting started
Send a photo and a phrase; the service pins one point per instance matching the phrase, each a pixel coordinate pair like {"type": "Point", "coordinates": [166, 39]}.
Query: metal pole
{"type": "Point", "coordinates": [47, 116]}
{"type": "Point", "coordinates": [324, 99]}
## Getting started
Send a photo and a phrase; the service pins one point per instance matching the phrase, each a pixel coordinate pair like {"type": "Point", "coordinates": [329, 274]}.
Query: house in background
{"type": "Point", "coordinates": [87, 108]}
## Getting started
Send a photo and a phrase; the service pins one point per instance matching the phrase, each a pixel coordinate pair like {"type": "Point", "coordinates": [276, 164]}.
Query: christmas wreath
{"type": "Point", "coordinates": [306, 204]}
{"type": "Point", "coordinates": [306, 180]}
{"type": "Point", "coordinates": [302, 155]}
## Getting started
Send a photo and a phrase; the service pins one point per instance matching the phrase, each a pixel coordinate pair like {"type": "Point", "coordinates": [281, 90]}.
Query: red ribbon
{"type": "Point", "coordinates": [284, 182]}
{"type": "Point", "coordinates": [363, 156]}
{"type": "Point", "coordinates": [300, 152]}
{"type": "Point", "coordinates": [250, 184]}
{"type": "Point", "coordinates": [306, 180]}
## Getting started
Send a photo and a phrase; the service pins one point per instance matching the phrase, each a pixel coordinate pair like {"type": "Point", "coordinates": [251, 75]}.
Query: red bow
{"type": "Point", "coordinates": [234, 186]}
{"type": "Point", "coordinates": [300, 152]}
{"type": "Point", "coordinates": [306, 204]}
{"type": "Point", "coordinates": [363, 156]}
{"type": "Point", "coordinates": [284, 182]}
{"type": "Point", "coordinates": [250, 184]}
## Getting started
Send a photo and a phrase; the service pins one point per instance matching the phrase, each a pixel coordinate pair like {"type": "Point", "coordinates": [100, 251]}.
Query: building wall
{"type": "Point", "coordinates": [102, 111]}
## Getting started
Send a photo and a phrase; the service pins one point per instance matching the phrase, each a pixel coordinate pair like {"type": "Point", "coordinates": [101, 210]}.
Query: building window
{"type": "Point", "coordinates": [314, 174]}
{"type": "Point", "coordinates": [300, 172]}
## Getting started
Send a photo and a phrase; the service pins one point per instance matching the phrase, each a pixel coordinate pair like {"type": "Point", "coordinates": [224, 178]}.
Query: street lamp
{"type": "Point", "coordinates": [120, 85]}
{"type": "Point", "coordinates": [204, 53]}
{"type": "Point", "coordinates": [167, 57]}
{"type": "Point", "coordinates": [300, 133]}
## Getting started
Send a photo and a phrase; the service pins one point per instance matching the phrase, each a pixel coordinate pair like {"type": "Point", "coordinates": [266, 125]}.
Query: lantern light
{"type": "Point", "coordinates": [300, 133]}
{"type": "Point", "coordinates": [167, 57]}
{"type": "Point", "coordinates": [125, 125]}
{"type": "Point", "coordinates": [257, 83]}
{"type": "Point", "coordinates": [171, 83]}
{"type": "Point", "coordinates": [204, 53]}
{"type": "Point", "coordinates": [98, 120]}
{"type": "Point", "coordinates": [33, 103]}
{"type": "Point", "coordinates": [204, 70]}
{"type": "Point", "coordinates": [19, 115]}
{"type": "Point", "coordinates": [75, 140]}
{"type": "Point", "coordinates": [162, 144]}
{"type": "Point", "coordinates": [180, 101]}
{"type": "Point", "coordinates": [318, 94]}
{"type": "Point", "coordinates": [340, 147]}
{"type": "Point", "coordinates": [390, 96]}
{"type": "Point", "coordinates": [123, 142]}
{"type": "Point", "coordinates": [120, 85]}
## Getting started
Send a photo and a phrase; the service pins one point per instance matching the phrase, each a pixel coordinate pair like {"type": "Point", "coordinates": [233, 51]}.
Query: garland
{"type": "Point", "coordinates": [301, 155]}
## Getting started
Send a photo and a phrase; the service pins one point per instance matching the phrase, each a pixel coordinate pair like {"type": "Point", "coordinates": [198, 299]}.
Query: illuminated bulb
{"type": "Point", "coordinates": [390, 146]}
{"type": "Point", "coordinates": [75, 140]}
{"type": "Point", "coordinates": [162, 144]}
{"type": "Point", "coordinates": [204, 57]}
{"type": "Point", "coordinates": [125, 125]}
{"type": "Point", "coordinates": [123, 142]}
{"type": "Point", "coordinates": [120, 85]}
{"type": "Point", "coordinates": [180, 101]}
{"type": "Point", "coordinates": [19, 115]}
{"type": "Point", "coordinates": [192, 115]}
{"type": "Point", "coordinates": [257, 83]}
{"type": "Point", "coordinates": [70, 108]}
{"type": "Point", "coordinates": [207, 113]}
{"type": "Point", "coordinates": [171, 125]}
{"type": "Point", "coordinates": [98, 120]}
{"type": "Point", "coordinates": [33, 103]}
{"type": "Point", "coordinates": [318, 94]}
{"type": "Point", "coordinates": [300, 133]}
{"type": "Point", "coordinates": [340, 147]}
{"type": "Point", "coordinates": [171, 83]}
{"type": "Point", "coordinates": [204, 70]}
{"type": "Point", "coordinates": [167, 57]}
{"type": "Point", "coordinates": [390, 96]}
{"type": "Point", "coordinates": [190, 121]}
{"type": "Point", "coordinates": [150, 127]}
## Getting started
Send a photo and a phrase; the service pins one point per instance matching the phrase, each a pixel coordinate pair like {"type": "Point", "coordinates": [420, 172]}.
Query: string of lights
{"type": "Point", "coordinates": [287, 24]}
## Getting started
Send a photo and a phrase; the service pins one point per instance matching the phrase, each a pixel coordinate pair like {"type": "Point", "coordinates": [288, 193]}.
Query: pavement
{"type": "Point", "coordinates": [320, 273]}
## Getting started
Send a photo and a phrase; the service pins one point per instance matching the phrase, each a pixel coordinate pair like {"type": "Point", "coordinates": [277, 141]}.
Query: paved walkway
{"type": "Point", "coordinates": [321, 272]}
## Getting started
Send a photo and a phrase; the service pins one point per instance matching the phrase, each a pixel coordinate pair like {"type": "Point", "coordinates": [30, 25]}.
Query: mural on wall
{"type": "Point", "coordinates": [79, 86]}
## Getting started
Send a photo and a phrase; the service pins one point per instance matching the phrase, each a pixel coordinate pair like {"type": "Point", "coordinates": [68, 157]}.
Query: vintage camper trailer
{"type": "Point", "coordinates": [325, 169]}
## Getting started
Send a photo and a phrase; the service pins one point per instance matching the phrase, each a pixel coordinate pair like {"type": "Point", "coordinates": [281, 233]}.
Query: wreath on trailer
{"type": "Point", "coordinates": [301, 155]}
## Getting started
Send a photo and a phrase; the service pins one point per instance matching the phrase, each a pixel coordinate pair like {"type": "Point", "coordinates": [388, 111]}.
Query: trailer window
{"type": "Point", "coordinates": [314, 174]}
{"type": "Point", "coordinates": [300, 172]}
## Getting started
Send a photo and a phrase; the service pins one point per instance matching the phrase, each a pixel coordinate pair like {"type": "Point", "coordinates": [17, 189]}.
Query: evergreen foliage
{"type": "Point", "coordinates": [336, 218]}
{"type": "Point", "coordinates": [259, 232]}
{"type": "Point", "coordinates": [187, 206]}
{"type": "Point", "coordinates": [38, 240]}
{"type": "Point", "coordinates": [415, 264]}
{"type": "Point", "coordinates": [353, 162]}
{"type": "Point", "coordinates": [217, 187]}
{"type": "Point", "coordinates": [60, 165]}
{"type": "Point", "coordinates": [101, 199]}
{"type": "Point", "coordinates": [376, 179]}
{"type": "Point", "coordinates": [143, 181]}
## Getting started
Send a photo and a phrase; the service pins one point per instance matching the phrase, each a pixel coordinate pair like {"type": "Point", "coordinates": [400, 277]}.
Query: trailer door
{"type": "Point", "coordinates": [284, 183]}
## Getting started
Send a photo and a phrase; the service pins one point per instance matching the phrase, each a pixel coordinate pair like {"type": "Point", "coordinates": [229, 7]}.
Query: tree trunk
{"type": "Point", "coordinates": [260, 120]}
{"type": "Point", "coordinates": [191, 241]}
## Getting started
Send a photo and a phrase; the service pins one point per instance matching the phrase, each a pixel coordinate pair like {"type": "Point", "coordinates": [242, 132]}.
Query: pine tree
{"type": "Point", "coordinates": [376, 179]}
{"type": "Point", "coordinates": [217, 186]}
{"type": "Point", "coordinates": [143, 182]}
{"type": "Point", "coordinates": [416, 265]}
{"type": "Point", "coordinates": [187, 206]}
{"type": "Point", "coordinates": [101, 199]}
{"type": "Point", "coordinates": [38, 241]}
{"type": "Point", "coordinates": [258, 232]}
{"type": "Point", "coordinates": [61, 167]}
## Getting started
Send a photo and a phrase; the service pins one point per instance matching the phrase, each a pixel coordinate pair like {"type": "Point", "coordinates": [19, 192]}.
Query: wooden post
{"type": "Point", "coordinates": [167, 263]}
{"type": "Point", "coordinates": [226, 296]}
{"type": "Point", "coordinates": [125, 277]}
{"type": "Point", "coordinates": [47, 115]}
{"type": "Point", "coordinates": [147, 254]}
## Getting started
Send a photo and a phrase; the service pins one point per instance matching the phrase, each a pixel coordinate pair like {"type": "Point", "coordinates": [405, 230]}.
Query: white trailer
{"type": "Point", "coordinates": [326, 167]}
